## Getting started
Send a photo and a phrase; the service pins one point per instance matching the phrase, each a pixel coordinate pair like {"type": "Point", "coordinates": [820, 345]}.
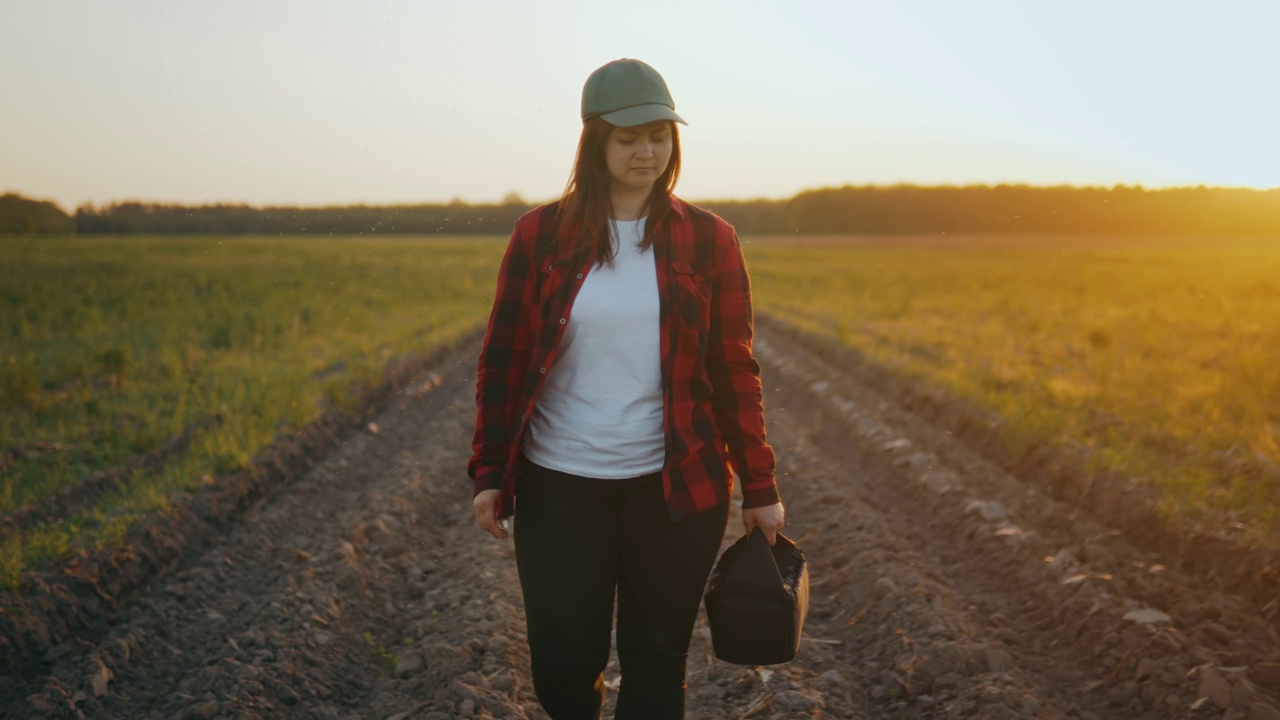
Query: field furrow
{"type": "Point", "coordinates": [942, 587]}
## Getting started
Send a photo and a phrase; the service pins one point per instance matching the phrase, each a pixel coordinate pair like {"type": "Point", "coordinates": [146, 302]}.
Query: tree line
{"type": "Point", "coordinates": [452, 218]}
{"type": "Point", "coordinates": [848, 209]}
{"type": "Point", "coordinates": [1013, 208]}
{"type": "Point", "coordinates": [23, 216]}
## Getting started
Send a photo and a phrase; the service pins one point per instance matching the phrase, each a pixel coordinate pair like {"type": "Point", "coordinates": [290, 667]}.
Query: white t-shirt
{"type": "Point", "coordinates": [600, 411]}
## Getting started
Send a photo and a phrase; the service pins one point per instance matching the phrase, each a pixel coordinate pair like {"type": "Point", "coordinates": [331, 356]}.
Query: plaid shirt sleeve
{"type": "Point", "coordinates": [504, 355]}
{"type": "Point", "coordinates": [737, 395]}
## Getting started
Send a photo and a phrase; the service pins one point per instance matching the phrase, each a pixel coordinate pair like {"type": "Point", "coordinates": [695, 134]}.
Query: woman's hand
{"type": "Point", "coordinates": [769, 518]}
{"type": "Point", "coordinates": [486, 506]}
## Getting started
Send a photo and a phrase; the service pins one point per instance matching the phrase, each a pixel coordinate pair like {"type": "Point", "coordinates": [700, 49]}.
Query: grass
{"type": "Point", "coordinates": [112, 345]}
{"type": "Point", "coordinates": [1159, 355]}
{"type": "Point", "coordinates": [386, 659]}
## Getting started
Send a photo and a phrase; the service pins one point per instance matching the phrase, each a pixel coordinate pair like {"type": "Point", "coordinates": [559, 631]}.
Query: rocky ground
{"type": "Point", "coordinates": [942, 587]}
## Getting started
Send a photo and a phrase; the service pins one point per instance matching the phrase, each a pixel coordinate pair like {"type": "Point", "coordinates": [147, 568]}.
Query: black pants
{"type": "Point", "coordinates": [577, 539]}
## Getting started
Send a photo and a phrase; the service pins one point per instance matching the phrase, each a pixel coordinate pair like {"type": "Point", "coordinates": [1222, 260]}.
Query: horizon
{"type": "Point", "coordinates": [323, 105]}
{"type": "Point", "coordinates": [706, 200]}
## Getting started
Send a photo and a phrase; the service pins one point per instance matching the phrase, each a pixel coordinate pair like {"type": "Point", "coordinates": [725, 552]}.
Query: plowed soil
{"type": "Point", "coordinates": [943, 586]}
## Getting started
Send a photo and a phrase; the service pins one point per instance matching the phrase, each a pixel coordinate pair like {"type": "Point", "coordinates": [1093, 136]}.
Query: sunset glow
{"type": "Point", "coordinates": [324, 102]}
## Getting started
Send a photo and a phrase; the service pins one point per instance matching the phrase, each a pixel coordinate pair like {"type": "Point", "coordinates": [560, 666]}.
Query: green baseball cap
{"type": "Point", "coordinates": [627, 93]}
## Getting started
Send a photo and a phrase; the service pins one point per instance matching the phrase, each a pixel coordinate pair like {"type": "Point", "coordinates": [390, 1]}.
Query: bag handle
{"type": "Point", "coordinates": [756, 566]}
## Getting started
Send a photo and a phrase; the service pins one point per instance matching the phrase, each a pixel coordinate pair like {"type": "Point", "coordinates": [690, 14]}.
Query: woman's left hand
{"type": "Point", "coordinates": [769, 518]}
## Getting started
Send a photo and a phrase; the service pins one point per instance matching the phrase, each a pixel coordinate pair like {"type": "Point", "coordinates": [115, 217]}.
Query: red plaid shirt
{"type": "Point", "coordinates": [713, 414]}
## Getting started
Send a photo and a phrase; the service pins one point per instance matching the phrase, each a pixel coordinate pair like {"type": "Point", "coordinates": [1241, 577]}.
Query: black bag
{"type": "Point", "coordinates": [757, 599]}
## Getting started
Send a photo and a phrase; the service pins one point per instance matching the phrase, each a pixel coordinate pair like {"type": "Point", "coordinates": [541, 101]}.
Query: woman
{"type": "Point", "coordinates": [616, 387]}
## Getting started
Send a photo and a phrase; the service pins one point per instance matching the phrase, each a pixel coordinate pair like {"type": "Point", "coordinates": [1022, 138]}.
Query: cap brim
{"type": "Point", "coordinates": [641, 114]}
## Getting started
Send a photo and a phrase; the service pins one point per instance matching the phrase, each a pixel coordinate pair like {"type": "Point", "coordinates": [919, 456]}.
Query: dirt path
{"type": "Point", "coordinates": [942, 587]}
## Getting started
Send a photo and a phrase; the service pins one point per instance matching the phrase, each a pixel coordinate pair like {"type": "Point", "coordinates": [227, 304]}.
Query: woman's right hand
{"type": "Point", "coordinates": [485, 505]}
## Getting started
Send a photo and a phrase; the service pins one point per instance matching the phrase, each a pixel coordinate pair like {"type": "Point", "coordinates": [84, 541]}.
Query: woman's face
{"type": "Point", "coordinates": [636, 156]}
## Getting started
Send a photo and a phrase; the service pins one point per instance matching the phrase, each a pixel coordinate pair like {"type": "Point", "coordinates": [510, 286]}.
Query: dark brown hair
{"type": "Point", "coordinates": [587, 204]}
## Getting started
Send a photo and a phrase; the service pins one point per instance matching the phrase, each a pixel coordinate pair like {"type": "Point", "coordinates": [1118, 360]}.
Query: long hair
{"type": "Point", "coordinates": [587, 204]}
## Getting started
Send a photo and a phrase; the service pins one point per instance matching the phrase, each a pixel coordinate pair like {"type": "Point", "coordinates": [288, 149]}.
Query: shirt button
{"type": "Point", "coordinates": [542, 370]}
{"type": "Point", "coordinates": [563, 321]}
{"type": "Point", "coordinates": [579, 276]}
{"type": "Point", "coordinates": [551, 267]}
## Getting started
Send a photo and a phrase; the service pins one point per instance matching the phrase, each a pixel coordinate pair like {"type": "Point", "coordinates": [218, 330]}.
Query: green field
{"type": "Point", "coordinates": [1161, 356]}
{"type": "Point", "coordinates": [1158, 355]}
{"type": "Point", "coordinates": [112, 345]}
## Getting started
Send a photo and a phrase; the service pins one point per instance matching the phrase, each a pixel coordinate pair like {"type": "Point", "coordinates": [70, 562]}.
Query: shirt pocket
{"type": "Point", "coordinates": [552, 276]}
{"type": "Point", "coordinates": [692, 296]}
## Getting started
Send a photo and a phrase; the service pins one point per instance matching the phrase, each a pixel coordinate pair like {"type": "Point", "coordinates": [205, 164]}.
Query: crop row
{"type": "Point", "coordinates": [138, 366]}
{"type": "Point", "coordinates": [1156, 357]}
{"type": "Point", "coordinates": [114, 346]}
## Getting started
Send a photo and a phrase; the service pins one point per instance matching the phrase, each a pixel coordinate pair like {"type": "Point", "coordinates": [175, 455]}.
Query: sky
{"type": "Point", "coordinates": [315, 102]}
